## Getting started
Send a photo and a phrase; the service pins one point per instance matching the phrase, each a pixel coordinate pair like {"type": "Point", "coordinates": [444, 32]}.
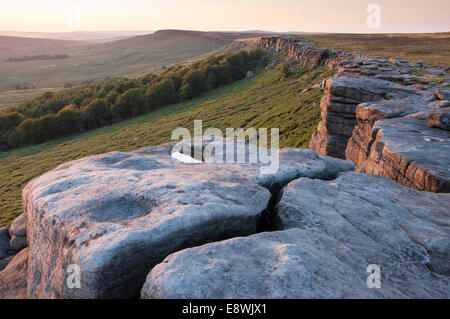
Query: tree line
{"type": "Point", "coordinates": [68, 111]}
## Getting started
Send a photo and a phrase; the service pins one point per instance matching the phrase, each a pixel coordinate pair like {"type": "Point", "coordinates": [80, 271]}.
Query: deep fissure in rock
{"type": "Point", "coordinates": [267, 220]}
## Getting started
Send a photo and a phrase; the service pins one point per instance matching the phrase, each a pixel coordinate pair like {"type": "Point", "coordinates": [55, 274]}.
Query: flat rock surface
{"type": "Point", "coordinates": [332, 231]}
{"type": "Point", "coordinates": [374, 111]}
{"type": "Point", "coordinates": [406, 140]}
{"type": "Point", "coordinates": [117, 215]}
{"type": "Point", "coordinates": [366, 89]}
{"type": "Point", "coordinates": [291, 264]}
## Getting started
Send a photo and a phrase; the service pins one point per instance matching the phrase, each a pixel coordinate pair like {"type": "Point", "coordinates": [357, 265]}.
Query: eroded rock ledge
{"type": "Point", "coordinates": [402, 148]}
{"type": "Point", "coordinates": [370, 121]}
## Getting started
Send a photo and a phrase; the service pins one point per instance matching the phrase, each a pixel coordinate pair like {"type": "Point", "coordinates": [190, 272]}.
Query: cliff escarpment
{"type": "Point", "coordinates": [301, 51]}
{"type": "Point", "coordinates": [388, 116]}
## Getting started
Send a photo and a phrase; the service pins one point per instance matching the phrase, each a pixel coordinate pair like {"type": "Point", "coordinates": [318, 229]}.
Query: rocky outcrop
{"type": "Point", "coordinates": [18, 233]}
{"type": "Point", "coordinates": [408, 152]}
{"type": "Point", "coordinates": [117, 215]}
{"type": "Point", "coordinates": [439, 119]}
{"type": "Point", "coordinates": [366, 89]}
{"type": "Point", "coordinates": [331, 232]}
{"type": "Point", "coordinates": [301, 51]}
{"type": "Point", "coordinates": [13, 279]}
{"type": "Point", "coordinates": [13, 239]}
{"type": "Point", "coordinates": [338, 109]}
{"type": "Point", "coordinates": [392, 139]}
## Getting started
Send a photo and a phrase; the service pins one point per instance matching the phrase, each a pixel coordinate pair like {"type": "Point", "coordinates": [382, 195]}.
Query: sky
{"type": "Point", "coordinates": [354, 16]}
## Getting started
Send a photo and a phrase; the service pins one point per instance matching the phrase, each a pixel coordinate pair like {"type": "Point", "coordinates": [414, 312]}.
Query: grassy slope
{"type": "Point", "coordinates": [433, 48]}
{"type": "Point", "coordinates": [265, 101]}
{"type": "Point", "coordinates": [129, 57]}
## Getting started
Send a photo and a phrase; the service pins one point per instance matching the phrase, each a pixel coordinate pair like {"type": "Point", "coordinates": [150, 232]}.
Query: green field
{"type": "Point", "coordinates": [90, 62]}
{"type": "Point", "coordinates": [268, 101]}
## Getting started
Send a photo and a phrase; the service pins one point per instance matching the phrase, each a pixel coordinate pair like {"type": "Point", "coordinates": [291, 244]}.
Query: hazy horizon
{"type": "Point", "coordinates": [225, 31]}
{"type": "Point", "coordinates": [328, 16]}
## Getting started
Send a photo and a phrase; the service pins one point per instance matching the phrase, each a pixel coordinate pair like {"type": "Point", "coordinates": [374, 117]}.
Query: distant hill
{"type": "Point", "coordinates": [278, 32]}
{"type": "Point", "coordinates": [19, 45]}
{"type": "Point", "coordinates": [88, 36]}
{"type": "Point", "coordinates": [89, 62]}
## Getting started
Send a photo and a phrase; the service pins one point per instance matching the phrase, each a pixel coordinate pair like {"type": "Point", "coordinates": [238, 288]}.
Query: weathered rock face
{"type": "Point", "coordinates": [13, 239]}
{"type": "Point", "coordinates": [13, 279]}
{"type": "Point", "coordinates": [333, 230]}
{"type": "Point", "coordinates": [18, 233]}
{"type": "Point", "coordinates": [117, 215]}
{"type": "Point", "coordinates": [338, 109]}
